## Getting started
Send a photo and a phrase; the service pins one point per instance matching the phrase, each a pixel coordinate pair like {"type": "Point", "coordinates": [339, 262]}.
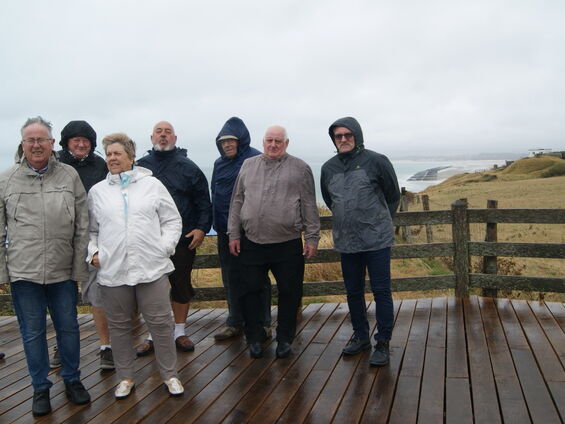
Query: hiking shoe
{"type": "Point", "coordinates": [174, 386]}
{"type": "Point", "coordinates": [106, 359]}
{"type": "Point", "coordinates": [55, 360]}
{"type": "Point", "coordinates": [227, 333]}
{"type": "Point", "coordinates": [356, 345]}
{"type": "Point", "coordinates": [41, 405]}
{"type": "Point", "coordinates": [255, 350]}
{"type": "Point", "coordinates": [283, 350]}
{"type": "Point", "coordinates": [76, 392]}
{"type": "Point", "coordinates": [381, 355]}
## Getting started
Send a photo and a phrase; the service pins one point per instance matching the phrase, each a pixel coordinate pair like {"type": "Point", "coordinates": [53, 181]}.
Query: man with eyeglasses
{"type": "Point", "coordinates": [273, 202]}
{"type": "Point", "coordinates": [43, 246]}
{"type": "Point", "coordinates": [360, 187]}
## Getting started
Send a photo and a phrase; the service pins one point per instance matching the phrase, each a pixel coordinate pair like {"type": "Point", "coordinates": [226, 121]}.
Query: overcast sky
{"type": "Point", "coordinates": [422, 77]}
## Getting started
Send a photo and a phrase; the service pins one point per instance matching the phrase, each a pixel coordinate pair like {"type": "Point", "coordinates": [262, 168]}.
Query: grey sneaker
{"type": "Point", "coordinates": [227, 333]}
{"type": "Point", "coordinates": [381, 355]}
{"type": "Point", "coordinates": [106, 359]}
{"type": "Point", "coordinates": [55, 360]}
{"type": "Point", "coordinates": [356, 345]}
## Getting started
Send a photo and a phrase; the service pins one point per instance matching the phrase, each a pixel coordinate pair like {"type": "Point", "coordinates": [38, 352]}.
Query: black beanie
{"type": "Point", "coordinates": [78, 129]}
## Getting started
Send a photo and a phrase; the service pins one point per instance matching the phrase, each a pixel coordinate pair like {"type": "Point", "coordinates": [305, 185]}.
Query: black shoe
{"type": "Point", "coordinates": [106, 359]}
{"type": "Point", "coordinates": [41, 404]}
{"type": "Point", "coordinates": [356, 345]}
{"type": "Point", "coordinates": [381, 355]}
{"type": "Point", "coordinates": [76, 392]}
{"type": "Point", "coordinates": [1, 355]}
{"type": "Point", "coordinates": [283, 350]}
{"type": "Point", "coordinates": [256, 350]}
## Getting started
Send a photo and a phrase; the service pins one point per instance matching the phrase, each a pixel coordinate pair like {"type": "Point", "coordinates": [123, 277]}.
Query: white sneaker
{"type": "Point", "coordinates": [124, 389]}
{"type": "Point", "coordinates": [174, 386]}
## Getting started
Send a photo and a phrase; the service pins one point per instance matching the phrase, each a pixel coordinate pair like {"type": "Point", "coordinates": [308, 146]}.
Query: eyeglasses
{"type": "Point", "coordinates": [41, 141]}
{"type": "Point", "coordinates": [347, 136]}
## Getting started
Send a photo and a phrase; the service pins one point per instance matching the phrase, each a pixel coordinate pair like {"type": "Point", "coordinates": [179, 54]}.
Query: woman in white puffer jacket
{"type": "Point", "coordinates": [134, 228]}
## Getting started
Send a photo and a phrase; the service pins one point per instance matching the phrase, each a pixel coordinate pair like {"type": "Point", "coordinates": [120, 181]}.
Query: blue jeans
{"type": "Point", "coordinates": [31, 301]}
{"type": "Point", "coordinates": [353, 267]}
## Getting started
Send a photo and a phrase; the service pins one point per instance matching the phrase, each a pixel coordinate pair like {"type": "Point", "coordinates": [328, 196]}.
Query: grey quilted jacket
{"type": "Point", "coordinates": [43, 224]}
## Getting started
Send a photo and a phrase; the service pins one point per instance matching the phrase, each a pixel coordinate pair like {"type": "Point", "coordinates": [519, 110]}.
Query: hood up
{"type": "Point", "coordinates": [234, 127]}
{"type": "Point", "coordinates": [352, 125]}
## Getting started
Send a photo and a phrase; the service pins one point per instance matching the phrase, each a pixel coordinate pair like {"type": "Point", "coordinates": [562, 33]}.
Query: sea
{"type": "Point", "coordinates": [408, 168]}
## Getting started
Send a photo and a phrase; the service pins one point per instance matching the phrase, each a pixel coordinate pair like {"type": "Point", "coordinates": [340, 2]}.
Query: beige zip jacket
{"type": "Point", "coordinates": [43, 225]}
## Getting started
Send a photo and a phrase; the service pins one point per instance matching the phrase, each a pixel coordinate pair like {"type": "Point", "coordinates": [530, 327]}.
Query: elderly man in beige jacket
{"type": "Point", "coordinates": [43, 241]}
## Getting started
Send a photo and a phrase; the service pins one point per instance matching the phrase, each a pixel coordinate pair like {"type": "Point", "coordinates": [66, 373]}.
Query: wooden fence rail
{"type": "Point", "coordinates": [461, 248]}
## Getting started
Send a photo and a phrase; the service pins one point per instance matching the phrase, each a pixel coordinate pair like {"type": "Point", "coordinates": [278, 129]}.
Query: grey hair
{"type": "Point", "coordinates": [38, 120]}
{"type": "Point", "coordinates": [123, 139]}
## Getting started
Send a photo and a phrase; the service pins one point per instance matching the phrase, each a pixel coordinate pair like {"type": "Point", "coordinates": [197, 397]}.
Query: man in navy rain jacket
{"type": "Point", "coordinates": [189, 189]}
{"type": "Point", "coordinates": [233, 143]}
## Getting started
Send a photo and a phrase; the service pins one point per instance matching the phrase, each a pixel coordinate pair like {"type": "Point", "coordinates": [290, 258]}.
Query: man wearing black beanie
{"type": "Point", "coordinates": [78, 140]}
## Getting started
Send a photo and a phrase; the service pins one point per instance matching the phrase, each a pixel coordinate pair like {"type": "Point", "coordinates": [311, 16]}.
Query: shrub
{"type": "Point", "coordinates": [554, 170]}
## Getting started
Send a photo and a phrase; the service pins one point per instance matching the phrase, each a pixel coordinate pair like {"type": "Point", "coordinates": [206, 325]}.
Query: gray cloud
{"type": "Point", "coordinates": [423, 78]}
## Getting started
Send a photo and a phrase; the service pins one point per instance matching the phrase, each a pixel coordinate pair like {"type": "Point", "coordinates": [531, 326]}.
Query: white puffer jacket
{"type": "Point", "coordinates": [134, 227]}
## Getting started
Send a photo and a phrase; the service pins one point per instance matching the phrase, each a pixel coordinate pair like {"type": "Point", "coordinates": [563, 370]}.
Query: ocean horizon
{"type": "Point", "coordinates": [407, 168]}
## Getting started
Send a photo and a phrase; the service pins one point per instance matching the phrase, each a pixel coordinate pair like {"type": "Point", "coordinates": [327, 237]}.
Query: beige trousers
{"type": "Point", "coordinates": [152, 300]}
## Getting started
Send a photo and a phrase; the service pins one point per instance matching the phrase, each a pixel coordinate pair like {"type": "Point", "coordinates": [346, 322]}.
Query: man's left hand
{"type": "Point", "coordinates": [197, 238]}
{"type": "Point", "coordinates": [309, 251]}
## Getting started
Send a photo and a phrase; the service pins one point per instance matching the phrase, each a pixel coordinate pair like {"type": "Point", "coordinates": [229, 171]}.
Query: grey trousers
{"type": "Point", "coordinates": [152, 300]}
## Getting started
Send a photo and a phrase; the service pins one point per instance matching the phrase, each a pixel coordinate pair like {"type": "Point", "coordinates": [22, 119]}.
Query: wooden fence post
{"type": "Point", "coordinates": [460, 234]}
{"type": "Point", "coordinates": [490, 265]}
{"type": "Point", "coordinates": [404, 232]}
{"type": "Point", "coordinates": [426, 207]}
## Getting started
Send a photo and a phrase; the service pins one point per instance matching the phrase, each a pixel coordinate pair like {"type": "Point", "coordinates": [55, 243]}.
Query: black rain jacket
{"type": "Point", "coordinates": [186, 184]}
{"type": "Point", "coordinates": [361, 189]}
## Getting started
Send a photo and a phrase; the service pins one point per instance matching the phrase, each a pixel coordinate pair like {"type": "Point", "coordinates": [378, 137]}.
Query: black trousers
{"type": "Point", "coordinates": [286, 262]}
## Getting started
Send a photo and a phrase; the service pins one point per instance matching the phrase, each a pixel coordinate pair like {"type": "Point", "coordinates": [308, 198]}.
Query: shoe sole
{"type": "Point", "coordinates": [107, 367]}
{"type": "Point", "coordinates": [172, 394]}
{"type": "Point", "coordinates": [41, 414]}
{"type": "Point", "coordinates": [184, 349]}
{"type": "Point", "coordinates": [376, 364]}
{"type": "Point", "coordinates": [356, 352]}
{"type": "Point", "coordinates": [84, 402]}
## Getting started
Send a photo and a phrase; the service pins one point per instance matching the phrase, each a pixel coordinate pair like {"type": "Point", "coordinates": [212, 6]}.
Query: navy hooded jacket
{"type": "Point", "coordinates": [226, 170]}
{"type": "Point", "coordinates": [361, 190]}
{"type": "Point", "coordinates": [186, 184]}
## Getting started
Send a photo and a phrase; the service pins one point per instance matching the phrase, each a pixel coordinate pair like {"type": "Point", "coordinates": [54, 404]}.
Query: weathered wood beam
{"type": "Point", "coordinates": [528, 250]}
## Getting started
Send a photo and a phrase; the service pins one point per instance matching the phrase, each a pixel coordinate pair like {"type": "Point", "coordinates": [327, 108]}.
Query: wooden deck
{"type": "Point", "coordinates": [480, 360]}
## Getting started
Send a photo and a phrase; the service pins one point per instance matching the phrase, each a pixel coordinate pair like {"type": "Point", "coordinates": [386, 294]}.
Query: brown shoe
{"type": "Point", "coordinates": [184, 344]}
{"type": "Point", "coordinates": [144, 348]}
{"type": "Point", "coordinates": [227, 333]}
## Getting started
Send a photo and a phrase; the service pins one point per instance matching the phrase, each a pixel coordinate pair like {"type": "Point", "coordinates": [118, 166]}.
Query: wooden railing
{"type": "Point", "coordinates": [461, 248]}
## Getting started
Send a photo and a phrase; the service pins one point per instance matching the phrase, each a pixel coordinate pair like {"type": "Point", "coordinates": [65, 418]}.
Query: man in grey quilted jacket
{"type": "Point", "coordinates": [43, 241]}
